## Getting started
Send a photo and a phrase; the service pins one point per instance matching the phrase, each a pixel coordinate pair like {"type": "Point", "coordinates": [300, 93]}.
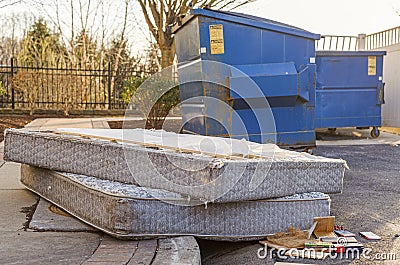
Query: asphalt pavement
{"type": "Point", "coordinates": [370, 202]}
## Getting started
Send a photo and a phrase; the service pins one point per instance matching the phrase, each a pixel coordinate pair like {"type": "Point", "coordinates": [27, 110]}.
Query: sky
{"type": "Point", "coordinates": [326, 17]}
{"type": "Point", "coordinates": [330, 17]}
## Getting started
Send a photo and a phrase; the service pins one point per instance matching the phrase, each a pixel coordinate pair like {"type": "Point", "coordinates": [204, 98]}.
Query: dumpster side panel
{"type": "Point", "coordinates": [242, 47]}
{"type": "Point", "coordinates": [187, 42]}
{"type": "Point", "coordinates": [349, 93]}
{"type": "Point", "coordinates": [347, 72]}
{"type": "Point", "coordinates": [297, 51]}
{"type": "Point", "coordinates": [278, 59]}
{"type": "Point", "coordinates": [273, 41]}
{"type": "Point", "coordinates": [284, 133]}
{"type": "Point", "coordinates": [347, 108]}
{"type": "Point", "coordinates": [273, 80]}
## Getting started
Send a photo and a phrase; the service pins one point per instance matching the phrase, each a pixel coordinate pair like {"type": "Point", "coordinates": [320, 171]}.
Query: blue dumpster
{"type": "Point", "coordinates": [243, 61]}
{"type": "Point", "coordinates": [349, 89]}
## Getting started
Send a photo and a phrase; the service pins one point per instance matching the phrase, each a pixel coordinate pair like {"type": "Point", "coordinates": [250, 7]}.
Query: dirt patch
{"type": "Point", "coordinates": [170, 125]}
{"type": "Point", "coordinates": [13, 122]}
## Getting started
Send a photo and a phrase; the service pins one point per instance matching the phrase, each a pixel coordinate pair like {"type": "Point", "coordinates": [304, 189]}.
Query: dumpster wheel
{"type": "Point", "coordinates": [375, 132]}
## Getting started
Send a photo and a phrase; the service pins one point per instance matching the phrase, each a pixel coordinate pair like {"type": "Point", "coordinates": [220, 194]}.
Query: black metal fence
{"type": "Point", "coordinates": [63, 88]}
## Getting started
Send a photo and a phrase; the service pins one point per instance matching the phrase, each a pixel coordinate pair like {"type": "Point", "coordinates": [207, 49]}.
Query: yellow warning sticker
{"type": "Point", "coordinates": [216, 39]}
{"type": "Point", "coordinates": [371, 65]}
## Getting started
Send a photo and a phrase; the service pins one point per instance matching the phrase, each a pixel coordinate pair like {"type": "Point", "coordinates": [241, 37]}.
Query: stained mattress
{"type": "Point", "coordinates": [129, 211]}
{"type": "Point", "coordinates": [195, 176]}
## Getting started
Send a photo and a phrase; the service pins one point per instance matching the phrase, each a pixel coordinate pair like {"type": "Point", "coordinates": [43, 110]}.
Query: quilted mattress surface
{"type": "Point", "coordinates": [129, 211]}
{"type": "Point", "coordinates": [195, 176]}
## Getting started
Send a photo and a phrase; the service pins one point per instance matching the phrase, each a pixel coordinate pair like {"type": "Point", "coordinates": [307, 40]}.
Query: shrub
{"type": "Point", "coordinates": [154, 99]}
{"type": "Point", "coordinates": [2, 90]}
{"type": "Point", "coordinates": [130, 87]}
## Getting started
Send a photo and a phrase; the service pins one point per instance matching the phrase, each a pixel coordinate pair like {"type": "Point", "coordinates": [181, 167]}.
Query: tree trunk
{"type": "Point", "coordinates": [167, 55]}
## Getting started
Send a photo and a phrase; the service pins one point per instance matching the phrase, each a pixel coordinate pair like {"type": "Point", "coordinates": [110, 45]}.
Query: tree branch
{"type": "Point", "coordinates": [152, 28]}
{"type": "Point", "coordinates": [6, 3]}
{"type": "Point", "coordinates": [159, 14]}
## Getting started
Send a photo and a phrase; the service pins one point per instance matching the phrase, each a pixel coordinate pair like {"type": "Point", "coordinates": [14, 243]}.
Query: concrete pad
{"type": "Point", "coordinates": [112, 251]}
{"type": "Point", "coordinates": [1, 153]}
{"type": "Point", "coordinates": [12, 203]}
{"type": "Point", "coordinates": [169, 251]}
{"type": "Point", "coordinates": [178, 250]}
{"type": "Point", "coordinates": [46, 248]}
{"type": "Point", "coordinates": [54, 123]}
{"type": "Point", "coordinates": [36, 124]}
{"type": "Point", "coordinates": [100, 124]}
{"type": "Point", "coordinates": [144, 253]}
{"type": "Point", "coordinates": [121, 118]}
{"type": "Point", "coordinates": [45, 220]}
{"type": "Point", "coordinates": [10, 174]}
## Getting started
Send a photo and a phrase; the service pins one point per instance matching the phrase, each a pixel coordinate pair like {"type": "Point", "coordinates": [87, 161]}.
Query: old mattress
{"type": "Point", "coordinates": [196, 176]}
{"type": "Point", "coordinates": [128, 211]}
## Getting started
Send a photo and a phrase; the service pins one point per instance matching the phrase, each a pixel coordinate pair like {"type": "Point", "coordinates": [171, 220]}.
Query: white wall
{"type": "Point", "coordinates": [391, 77]}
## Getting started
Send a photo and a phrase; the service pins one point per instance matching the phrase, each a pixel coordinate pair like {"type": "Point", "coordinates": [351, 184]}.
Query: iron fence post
{"type": "Point", "coordinates": [12, 87]}
{"type": "Point", "coordinates": [109, 85]}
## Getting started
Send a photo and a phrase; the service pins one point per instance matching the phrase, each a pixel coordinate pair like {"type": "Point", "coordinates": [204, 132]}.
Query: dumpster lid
{"type": "Point", "coordinates": [248, 20]}
{"type": "Point", "coordinates": [351, 53]}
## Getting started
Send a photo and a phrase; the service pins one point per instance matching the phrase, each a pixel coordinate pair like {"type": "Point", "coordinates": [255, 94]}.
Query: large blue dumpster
{"type": "Point", "coordinates": [349, 89]}
{"type": "Point", "coordinates": [255, 60]}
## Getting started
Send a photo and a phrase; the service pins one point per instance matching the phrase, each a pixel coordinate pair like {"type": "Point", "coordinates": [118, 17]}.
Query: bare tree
{"type": "Point", "coordinates": [5, 3]}
{"type": "Point", "coordinates": [120, 45]}
{"type": "Point", "coordinates": [84, 23]}
{"type": "Point", "coordinates": [85, 19]}
{"type": "Point", "coordinates": [12, 28]}
{"type": "Point", "coordinates": [160, 14]}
